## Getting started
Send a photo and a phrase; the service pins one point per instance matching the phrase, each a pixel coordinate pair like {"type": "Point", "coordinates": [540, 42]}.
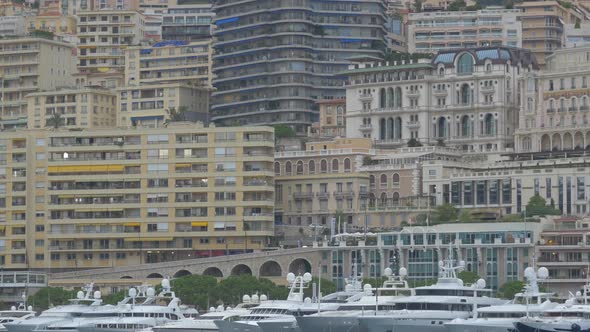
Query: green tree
{"type": "Point", "coordinates": [230, 290]}
{"type": "Point", "coordinates": [176, 115]}
{"type": "Point", "coordinates": [537, 206]}
{"type": "Point", "coordinates": [114, 298]}
{"type": "Point", "coordinates": [511, 288]}
{"type": "Point", "coordinates": [418, 5]}
{"type": "Point", "coordinates": [464, 217]}
{"type": "Point", "coordinates": [468, 277]}
{"type": "Point", "coordinates": [421, 282]}
{"type": "Point", "coordinates": [195, 289]}
{"type": "Point", "coordinates": [413, 143]}
{"type": "Point", "coordinates": [282, 131]}
{"type": "Point", "coordinates": [50, 296]}
{"type": "Point", "coordinates": [577, 25]}
{"type": "Point", "coordinates": [457, 5]}
{"type": "Point", "coordinates": [445, 213]}
{"type": "Point", "coordinates": [56, 120]}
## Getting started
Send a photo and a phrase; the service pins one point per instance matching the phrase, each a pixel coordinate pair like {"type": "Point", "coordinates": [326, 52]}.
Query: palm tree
{"type": "Point", "coordinates": [55, 121]}
{"type": "Point", "coordinates": [176, 115]}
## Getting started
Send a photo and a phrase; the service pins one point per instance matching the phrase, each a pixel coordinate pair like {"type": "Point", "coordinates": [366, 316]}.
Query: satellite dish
{"type": "Point", "coordinates": [263, 297]}
{"type": "Point", "coordinates": [307, 277]}
{"type": "Point", "coordinates": [290, 277]}
{"type": "Point", "coordinates": [481, 283]}
{"type": "Point", "coordinates": [97, 295]}
{"type": "Point", "coordinates": [388, 272]}
{"type": "Point", "coordinates": [255, 298]}
{"type": "Point", "coordinates": [246, 298]}
{"type": "Point", "coordinates": [165, 283]}
{"type": "Point", "coordinates": [151, 292]}
{"type": "Point", "coordinates": [307, 300]}
{"type": "Point", "coordinates": [132, 292]}
{"type": "Point", "coordinates": [543, 273]}
{"type": "Point", "coordinates": [80, 295]}
{"type": "Point", "coordinates": [403, 272]}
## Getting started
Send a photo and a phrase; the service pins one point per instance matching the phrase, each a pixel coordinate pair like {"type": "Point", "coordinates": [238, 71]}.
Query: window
{"type": "Point", "coordinates": [465, 64]}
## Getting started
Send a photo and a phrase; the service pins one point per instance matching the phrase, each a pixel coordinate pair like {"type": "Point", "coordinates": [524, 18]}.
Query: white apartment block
{"type": "Point", "coordinates": [556, 106]}
{"type": "Point", "coordinates": [12, 25]}
{"type": "Point", "coordinates": [169, 61]}
{"type": "Point", "coordinates": [431, 32]}
{"type": "Point", "coordinates": [30, 65]}
{"type": "Point", "coordinates": [463, 98]}
{"type": "Point", "coordinates": [103, 36]}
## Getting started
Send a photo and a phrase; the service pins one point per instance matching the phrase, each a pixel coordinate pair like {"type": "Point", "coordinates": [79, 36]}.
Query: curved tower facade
{"type": "Point", "coordinates": [273, 59]}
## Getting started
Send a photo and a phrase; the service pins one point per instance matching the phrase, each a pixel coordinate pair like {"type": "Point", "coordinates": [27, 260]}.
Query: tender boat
{"type": "Point", "coordinates": [15, 314]}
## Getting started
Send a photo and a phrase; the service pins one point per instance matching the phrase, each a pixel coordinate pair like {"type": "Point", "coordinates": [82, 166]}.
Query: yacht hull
{"type": "Point", "coordinates": [388, 324]}
{"type": "Point", "coordinates": [554, 326]}
{"type": "Point", "coordinates": [278, 326]}
{"type": "Point", "coordinates": [225, 326]}
{"type": "Point", "coordinates": [482, 325]}
{"type": "Point", "coordinates": [328, 324]}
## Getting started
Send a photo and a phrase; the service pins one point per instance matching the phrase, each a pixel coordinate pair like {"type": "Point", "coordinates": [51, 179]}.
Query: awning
{"type": "Point", "coordinates": [158, 239]}
{"type": "Point", "coordinates": [132, 224]}
{"type": "Point", "coordinates": [183, 165]}
{"type": "Point", "coordinates": [200, 224]}
{"type": "Point", "coordinates": [88, 168]}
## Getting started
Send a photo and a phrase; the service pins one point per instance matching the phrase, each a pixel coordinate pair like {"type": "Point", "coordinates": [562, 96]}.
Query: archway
{"type": "Point", "coordinates": [126, 277]}
{"type": "Point", "coordinates": [155, 275]}
{"type": "Point", "coordinates": [270, 269]}
{"type": "Point", "coordinates": [465, 126]}
{"type": "Point", "coordinates": [568, 141]}
{"type": "Point", "coordinates": [545, 143]}
{"type": "Point", "coordinates": [300, 266]}
{"type": "Point", "coordinates": [181, 273]}
{"type": "Point", "coordinates": [241, 269]}
{"type": "Point", "coordinates": [578, 141]}
{"type": "Point", "coordinates": [488, 125]}
{"type": "Point", "coordinates": [465, 92]}
{"type": "Point", "coordinates": [442, 127]}
{"type": "Point", "coordinates": [213, 272]}
{"type": "Point", "coordinates": [556, 140]}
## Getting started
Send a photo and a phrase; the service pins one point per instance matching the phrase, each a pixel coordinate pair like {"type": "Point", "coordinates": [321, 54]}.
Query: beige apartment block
{"type": "Point", "coordinates": [52, 22]}
{"type": "Point", "coordinates": [103, 36]}
{"type": "Point", "coordinates": [430, 32]}
{"type": "Point", "coordinates": [543, 24]}
{"type": "Point", "coordinates": [30, 65]}
{"type": "Point", "coordinates": [169, 61]}
{"type": "Point", "coordinates": [79, 108]}
{"type": "Point", "coordinates": [556, 105]}
{"type": "Point", "coordinates": [332, 119]}
{"type": "Point", "coordinates": [118, 197]}
{"type": "Point", "coordinates": [150, 105]}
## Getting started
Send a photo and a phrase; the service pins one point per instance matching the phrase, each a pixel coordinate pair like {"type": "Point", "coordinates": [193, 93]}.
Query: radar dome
{"type": "Point", "coordinates": [263, 297]}
{"type": "Point", "coordinates": [290, 277]}
{"type": "Point", "coordinates": [246, 298]}
{"type": "Point", "coordinates": [403, 272]}
{"type": "Point", "coordinates": [151, 292]}
{"type": "Point", "coordinates": [307, 277]}
{"type": "Point", "coordinates": [165, 283]}
{"type": "Point", "coordinates": [307, 300]}
{"type": "Point", "coordinates": [13, 308]}
{"type": "Point", "coordinates": [228, 308]}
{"type": "Point", "coordinates": [212, 309]}
{"type": "Point", "coordinates": [80, 295]}
{"type": "Point", "coordinates": [481, 283]}
{"type": "Point", "coordinates": [367, 287]}
{"type": "Point", "coordinates": [97, 295]}
{"type": "Point", "coordinates": [529, 272]}
{"type": "Point", "coordinates": [30, 308]}
{"type": "Point", "coordinates": [132, 292]}
{"type": "Point", "coordinates": [219, 308]}
{"type": "Point", "coordinates": [578, 294]}
{"type": "Point", "coordinates": [255, 298]}
{"type": "Point", "coordinates": [388, 272]}
{"type": "Point", "coordinates": [543, 273]}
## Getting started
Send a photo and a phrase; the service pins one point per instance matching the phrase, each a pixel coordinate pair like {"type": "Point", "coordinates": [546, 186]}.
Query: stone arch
{"type": "Point", "coordinates": [556, 140]}
{"type": "Point", "coordinates": [568, 141]}
{"type": "Point", "coordinates": [372, 180]}
{"type": "Point", "coordinates": [277, 168]}
{"type": "Point", "coordinates": [311, 167]}
{"type": "Point", "coordinates": [545, 143]}
{"type": "Point", "coordinates": [465, 94]}
{"type": "Point", "coordinates": [335, 165]}
{"type": "Point", "coordinates": [299, 167]}
{"type": "Point", "coordinates": [383, 199]}
{"type": "Point", "coordinates": [347, 166]}
{"type": "Point", "coordinates": [465, 63]}
{"type": "Point", "coordinates": [395, 198]}
{"type": "Point", "coordinates": [578, 141]}
{"type": "Point", "coordinates": [155, 275]}
{"type": "Point", "coordinates": [181, 273]}
{"type": "Point", "coordinates": [241, 269]}
{"type": "Point", "coordinates": [395, 179]}
{"type": "Point", "coordinates": [288, 168]}
{"type": "Point", "coordinates": [300, 266]}
{"type": "Point", "coordinates": [324, 166]}
{"type": "Point", "coordinates": [441, 126]}
{"type": "Point", "coordinates": [383, 181]}
{"type": "Point", "coordinates": [126, 277]}
{"type": "Point", "coordinates": [213, 272]}
{"type": "Point", "coordinates": [270, 269]}
{"type": "Point", "coordinates": [488, 125]}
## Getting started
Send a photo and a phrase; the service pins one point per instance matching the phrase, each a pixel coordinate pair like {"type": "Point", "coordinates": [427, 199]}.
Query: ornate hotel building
{"type": "Point", "coordinates": [466, 98]}
{"type": "Point", "coordinates": [111, 197]}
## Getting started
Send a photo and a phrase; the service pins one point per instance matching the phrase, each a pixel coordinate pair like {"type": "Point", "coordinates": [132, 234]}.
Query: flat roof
{"type": "Point", "coordinates": [384, 68]}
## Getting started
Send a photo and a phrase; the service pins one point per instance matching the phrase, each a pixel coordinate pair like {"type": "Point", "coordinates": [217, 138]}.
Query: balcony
{"type": "Point", "coordinates": [413, 124]}
{"type": "Point", "coordinates": [584, 108]}
{"type": "Point", "coordinates": [413, 94]}
{"type": "Point", "coordinates": [573, 109]}
{"type": "Point", "coordinates": [323, 195]}
{"type": "Point", "coordinates": [366, 96]}
{"type": "Point", "coordinates": [344, 194]}
{"type": "Point", "coordinates": [302, 195]}
{"type": "Point", "coordinates": [561, 109]}
{"type": "Point", "coordinates": [366, 127]}
{"type": "Point", "coordinates": [440, 92]}
{"type": "Point", "coordinates": [551, 110]}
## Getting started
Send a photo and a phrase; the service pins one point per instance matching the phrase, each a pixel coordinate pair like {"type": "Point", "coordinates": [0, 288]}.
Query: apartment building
{"type": "Point", "coordinates": [151, 105]}
{"type": "Point", "coordinates": [555, 105]}
{"type": "Point", "coordinates": [90, 5]}
{"type": "Point", "coordinates": [52, 22]}
{"type": "Point", "coordinates": [577, 35]}
{"type": "Point", "coordinates": [91, 107]}
{"type": "Point", "coordinates": [466, 98]}
{"type": "Point", "coordinates": [321, 183]}
{"type": "Point", "coordinates": [542, 26]}
{"type": "Point", "coordinates": [30, 65]}
{"type": "Point", "coordinates": [118, 197]}
{"type": "Point", "coordinates": [12, 25]}
{"type": "Point", "coordinates": [332, 119]}
{"type": "Point", "coordinates": [103, 36]}
{"type": "Point", "coordinates": [430, 32]}
{"type": "Point", "coordinates": [169, 61]}
{"type": "Point", "coordinates": [188, 21]}
{"type": "Point", "coordinates": [505, 187]}
{"type": "Point", "coordinates": [272, 62]}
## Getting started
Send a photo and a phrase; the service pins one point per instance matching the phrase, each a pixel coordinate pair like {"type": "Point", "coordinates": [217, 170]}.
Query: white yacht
{"type": "Point", "coordinates": [86, 301]}
{"type": "Point", "coordinates": [345, 318]}
{"type": "Point", "coordinates": [434, 305]}
{"type": "Point", "coordinates": [501, 318]}
{"type": "Point", "coordinates": [133, 315]}
{"type": "Point", "coordinates": [205, 322]}
{"type": "Point", "coordinates": [22, 312]}
{"type": "Point", "coordinates": [279, 311]}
